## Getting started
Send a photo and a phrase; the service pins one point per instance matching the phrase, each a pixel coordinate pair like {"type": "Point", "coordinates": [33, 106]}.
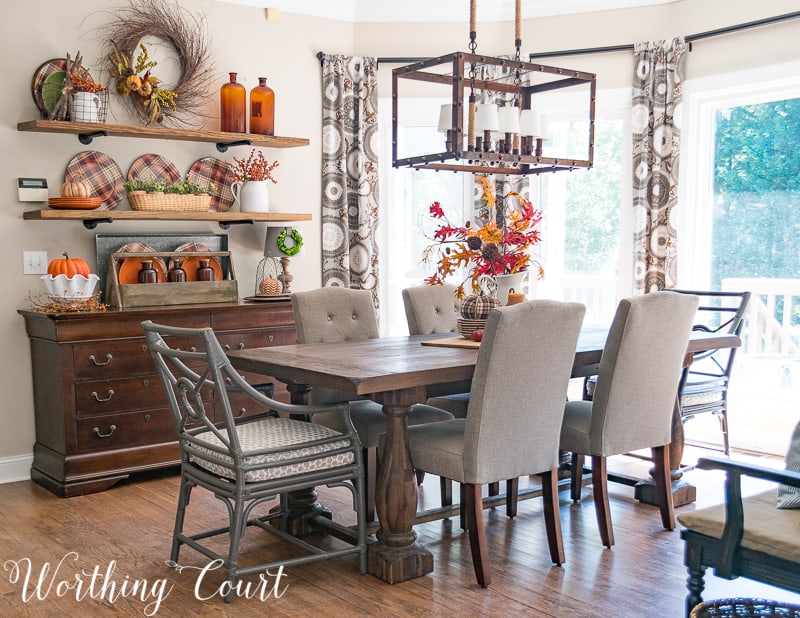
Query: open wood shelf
{"type": "Point", "coordinates": [87, 131]}
{"type": "Point", "coordinates": [91, 218]}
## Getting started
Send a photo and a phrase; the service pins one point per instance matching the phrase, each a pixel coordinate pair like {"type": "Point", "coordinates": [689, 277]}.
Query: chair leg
{"type": "Point", "coordinates": [237, 526]}
{"type": "Point", "coordinates": [552, 517]}
{"type": "Point", "coordinates": [180, 514]}
{"type": "Point", "coordinates": [512, 495]}
{"type": "Point", "coordinates": [576, 477]}
{"type": "Point", "coordinates": [723, 423]}
{"type": "Point", "coordinates": [446, 491]}
{"type": "Point", "coordinates": [494, 489]}
{"type": "Point", "coordinates": [601, 506]}
{"type": "Point", "coordinates": [462, 514]}
{"type": "Point", "coordinates": [664, 486]}
{"type": "Point", "coordinates": [477, 535]}
{"type": "Point", "coordinates": [370, 457]}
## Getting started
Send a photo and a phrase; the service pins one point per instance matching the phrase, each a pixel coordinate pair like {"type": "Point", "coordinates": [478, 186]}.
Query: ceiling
{"type": "Point", "coordinates": [439, 10]}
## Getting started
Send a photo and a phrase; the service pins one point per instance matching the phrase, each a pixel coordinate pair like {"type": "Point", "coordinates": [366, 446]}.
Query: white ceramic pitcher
{"type": "Point", "coordinates": [251, 195]}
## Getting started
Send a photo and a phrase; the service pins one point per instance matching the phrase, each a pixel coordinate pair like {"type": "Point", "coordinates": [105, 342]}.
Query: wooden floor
{"type": "Point", "coordinates": [126, 532]}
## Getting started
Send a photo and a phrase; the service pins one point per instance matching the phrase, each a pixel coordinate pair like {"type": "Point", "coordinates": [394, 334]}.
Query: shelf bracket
{"type": "Point", "coordinates": [86, 138]}
{"type": "Point", "coordinates": [223, 146]}
{"type": "Point", "coordinates": [90, 224]}
{"type": "Point", "coordinates": [224, 225]}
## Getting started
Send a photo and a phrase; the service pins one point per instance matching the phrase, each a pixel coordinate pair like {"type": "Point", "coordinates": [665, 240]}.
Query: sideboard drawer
{"type": "Point", "coordinates": [126, 429]}
{"type": "Point", "coordinates": [247, 339]}
{"type": "Point", "coordinates": [111, 358]}
{"type": "Point", "coordinates": [119, 395]}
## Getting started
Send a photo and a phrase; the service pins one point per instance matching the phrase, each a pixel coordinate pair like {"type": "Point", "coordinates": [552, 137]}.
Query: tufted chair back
{"type": "Point", "coordinates": [431, 309]}
{"type": "Point", "coordinates": [335, 314]}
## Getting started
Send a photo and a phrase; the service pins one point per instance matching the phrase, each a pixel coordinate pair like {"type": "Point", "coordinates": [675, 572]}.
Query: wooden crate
{"type": "Point", "coordinates": [166, 293]}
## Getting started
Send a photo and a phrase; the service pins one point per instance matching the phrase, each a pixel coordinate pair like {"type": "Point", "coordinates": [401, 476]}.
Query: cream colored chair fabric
{"type": "Point", "coordinates": [342, 314]}
{"type": "Point", "coordinates": [636, 391]}
{"type": "Point", "coordinates": [514, 420]}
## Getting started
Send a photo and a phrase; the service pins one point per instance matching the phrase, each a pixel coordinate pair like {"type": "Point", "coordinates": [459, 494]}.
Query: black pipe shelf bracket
{"type": "Point", "coordinates": [90, 224]}
{"type": "Point", "coordinates": [86, 138]}
{"type": "Point", "coordinates": [223, 146]}
{"type": "Point", "coordinates": [225, 225]}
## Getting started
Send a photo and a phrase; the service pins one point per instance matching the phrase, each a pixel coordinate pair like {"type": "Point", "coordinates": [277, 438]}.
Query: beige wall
{"type": "Point", "coordinates": [243, 41]}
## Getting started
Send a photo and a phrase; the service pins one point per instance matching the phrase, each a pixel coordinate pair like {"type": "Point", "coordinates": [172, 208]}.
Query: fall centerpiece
{"type": "Point", "coordinates": [155, 195]}
{"type": "Point", "coordinates": [486, 250]}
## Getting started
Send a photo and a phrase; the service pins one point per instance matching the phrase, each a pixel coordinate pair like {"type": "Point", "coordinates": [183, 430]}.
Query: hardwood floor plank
{"type": "Point", "coordinates": [129, 528]}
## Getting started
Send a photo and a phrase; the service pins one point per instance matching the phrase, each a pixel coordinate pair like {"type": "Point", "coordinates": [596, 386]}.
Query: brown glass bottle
{"type": "Point", "coordinates": [233, 106]}
{"type": "Point", "coordinates": [262, 109]}
{"type": "Point", "coordinates": [148, 274]}
{"type": "Point", "coordinates": [205, 272]}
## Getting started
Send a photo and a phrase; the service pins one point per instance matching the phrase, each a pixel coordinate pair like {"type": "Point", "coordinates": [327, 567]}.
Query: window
{"type": "Point", "coordinates": [584, 211]}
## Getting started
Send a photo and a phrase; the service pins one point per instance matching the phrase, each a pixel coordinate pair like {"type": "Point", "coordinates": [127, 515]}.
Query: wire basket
{"type": "Point", "coordinates": [89, 106]}
{"type": "Point", "coordinates": [745, 608]}
{"type": "Point", "coordinates": [140, 200]}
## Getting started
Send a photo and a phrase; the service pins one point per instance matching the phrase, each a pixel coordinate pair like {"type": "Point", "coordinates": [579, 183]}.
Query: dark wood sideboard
{"type": "Point", "coordinates": [101, 412]}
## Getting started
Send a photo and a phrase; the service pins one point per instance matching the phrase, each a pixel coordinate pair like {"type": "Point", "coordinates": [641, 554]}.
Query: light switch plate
{"type": "Point", "coordinates": [32, 189]}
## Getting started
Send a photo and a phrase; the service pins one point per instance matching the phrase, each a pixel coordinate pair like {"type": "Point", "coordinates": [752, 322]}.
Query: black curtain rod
{"type": "Point", "coordinates": [689, 39]}
{"type": "Point", "coordinates": [616, 48]}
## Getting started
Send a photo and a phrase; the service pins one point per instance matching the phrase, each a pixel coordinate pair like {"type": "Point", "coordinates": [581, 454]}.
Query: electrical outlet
{"type": "Point", "coordinates": [34, 262]}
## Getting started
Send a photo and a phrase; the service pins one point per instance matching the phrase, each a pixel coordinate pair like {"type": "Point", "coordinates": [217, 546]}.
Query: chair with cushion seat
{"type": "Point", "coordinates": [704, 384]}
{"type": "Point", "coordinates": [435, 309]}
{"type": "Point", "coordinates": [634, 399]}
{"type": "Point", "coordinates": [248, 462]}
{"type": "Point", "coordinates": [512, 428]}
{"type": "Point", "coordinates": [342, 314]}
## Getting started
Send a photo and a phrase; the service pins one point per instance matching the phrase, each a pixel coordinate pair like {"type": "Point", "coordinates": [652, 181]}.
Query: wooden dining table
{"type": "Point", "coordinates": [396, 372]}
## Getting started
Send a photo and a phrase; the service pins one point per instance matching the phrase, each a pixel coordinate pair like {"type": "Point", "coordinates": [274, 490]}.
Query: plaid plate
{"type": "Point", "coordinates": [101, 172]}
{"type": "Point", "coordinates": [45, 70]}
{"type": "Point", "coordinates": [218, 176]}
{"type": "Point", "coordinates": [153, 167]}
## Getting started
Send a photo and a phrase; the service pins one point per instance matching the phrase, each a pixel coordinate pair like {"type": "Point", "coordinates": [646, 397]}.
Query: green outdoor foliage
{"type": "Point", "coordinates": [756, 228]}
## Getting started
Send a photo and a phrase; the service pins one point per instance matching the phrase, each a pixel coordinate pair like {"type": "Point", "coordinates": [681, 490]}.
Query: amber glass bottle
{"type": "Point", "coordinates": [262, 109]}
{"type": "Point", "coordinates": [233, 106]}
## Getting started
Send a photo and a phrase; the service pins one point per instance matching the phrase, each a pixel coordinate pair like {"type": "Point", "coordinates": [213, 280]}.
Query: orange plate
{"type": "Point", "coordinates": [191, 264]}
{"type": "Point", "coordinates": [130, 267]}
{"type": "Point", "coordinates": [75, 203]}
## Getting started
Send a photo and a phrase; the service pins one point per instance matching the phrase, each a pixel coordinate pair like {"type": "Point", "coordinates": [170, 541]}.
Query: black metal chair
{"type": "Point", "coordinates": [704, 384]}
{"type": "Point", "coordinates": [248, 462]}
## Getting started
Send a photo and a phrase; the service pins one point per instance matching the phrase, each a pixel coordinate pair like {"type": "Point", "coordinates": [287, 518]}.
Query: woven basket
{"type": "Point", "coordinates": [744, 608]}
{"type": "Point", "coordinates": [139, 200]}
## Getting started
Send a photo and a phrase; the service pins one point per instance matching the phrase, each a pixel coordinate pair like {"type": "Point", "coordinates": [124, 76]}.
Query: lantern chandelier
{"type": "Point", "coordinates": [492, 124]}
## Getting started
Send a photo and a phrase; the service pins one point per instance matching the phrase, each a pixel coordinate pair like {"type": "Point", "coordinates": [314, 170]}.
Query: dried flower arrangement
{"type": "Point", "coordinates": [255, 167]}
{"type": "Point", "coordinates": [45, 303]}
{"type": "Point", "coordinates": [185, 32]}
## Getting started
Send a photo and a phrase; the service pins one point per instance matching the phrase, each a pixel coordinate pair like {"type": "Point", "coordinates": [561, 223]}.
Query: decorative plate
{"type": "Point", "coordinates": [44, 75]}
{"type": "Point", "coordinates": [101, 172]}
{"type": "Point", "coordinates": [74, 203]}
{"type": "Point", "coordinates": [128, 270]}
{"type": "Point", "coordinates": [218, 176]}
{"type": "Point", "coordinates": [153, 167]}
{"type": "Point", "coordinates": [191, 264]}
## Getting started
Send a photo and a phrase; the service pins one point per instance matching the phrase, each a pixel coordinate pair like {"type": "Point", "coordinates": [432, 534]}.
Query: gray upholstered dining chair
{"type": "Point", "coordinates": [342, 314]}
{"type": "Point", "coordinates": [435, 309]}
{"type": "Point", "coordinates": [514, 420]}
{"type": "Point", "coordinates": [248, 461]}
{"type": "Point", "coordinates": [634, 398]}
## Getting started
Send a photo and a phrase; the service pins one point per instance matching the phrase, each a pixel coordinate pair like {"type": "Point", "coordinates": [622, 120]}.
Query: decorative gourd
{"type": "Point", "coordinates": [76, 188]}
{"type": "Point", "coordinates": [68, 266]}
{"type": "Point", "coordinates": [270, 286]}
{"type": "Point", "coordinates": [478, 307]}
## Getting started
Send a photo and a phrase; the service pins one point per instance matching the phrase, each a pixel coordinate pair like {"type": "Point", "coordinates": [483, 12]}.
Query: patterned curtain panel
{"type": "Point", "coordinates": [350, 173]}
{"type": "Point", "coordinates": [657, 93]}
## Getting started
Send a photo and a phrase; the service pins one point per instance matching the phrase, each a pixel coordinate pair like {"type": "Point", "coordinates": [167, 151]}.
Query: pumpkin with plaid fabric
{"type": "Point", "coordinates": [477, 307]}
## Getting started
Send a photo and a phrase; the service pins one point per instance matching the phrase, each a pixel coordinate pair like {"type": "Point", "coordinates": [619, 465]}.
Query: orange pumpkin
{"type": "Point", "coordinates": [68, 266]}
{"type": "Point", "coordinates": [76, 188]}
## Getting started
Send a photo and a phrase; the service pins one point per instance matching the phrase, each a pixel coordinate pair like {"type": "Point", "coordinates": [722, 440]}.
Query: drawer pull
{"type": "Point", "coordinates": [227, 347]}
{"type": "Point", "coordinates": [241, 413]}
{"type": "Point", "coordinates": [99, 434]}
{"type": "Point", "coordinates": [94, 360]}
{"type": "Point", "coordinates": [270, 338]}
{"type": "Point", "coordinates": [100, 399]}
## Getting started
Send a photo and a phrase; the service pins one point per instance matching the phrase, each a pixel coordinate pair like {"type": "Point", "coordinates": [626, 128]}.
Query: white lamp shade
{"type": "Point", "coordinates": [530, 123]}
{"type": "Point", "coordinates": [509, 119]}
{"type": "Point", "coordinates": [486, 117]}
{"type": "Point", "coordinates": [446, 118]}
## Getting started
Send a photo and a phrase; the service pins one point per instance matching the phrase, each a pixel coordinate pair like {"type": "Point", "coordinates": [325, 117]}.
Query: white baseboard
{"type": "Point", "coordinates": [16, 468]}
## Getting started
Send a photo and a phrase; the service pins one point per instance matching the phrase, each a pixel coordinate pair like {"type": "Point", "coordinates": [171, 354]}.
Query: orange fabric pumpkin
{"type": "Point", "coordinates": [68, 266]}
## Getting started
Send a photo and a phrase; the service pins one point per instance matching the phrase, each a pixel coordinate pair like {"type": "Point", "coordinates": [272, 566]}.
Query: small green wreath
{"type": "Point", "coordinates": [296, 237]}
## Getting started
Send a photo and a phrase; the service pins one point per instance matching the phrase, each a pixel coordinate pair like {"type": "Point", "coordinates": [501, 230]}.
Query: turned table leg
{"type": "Point", "coordinates": [396, 556]}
